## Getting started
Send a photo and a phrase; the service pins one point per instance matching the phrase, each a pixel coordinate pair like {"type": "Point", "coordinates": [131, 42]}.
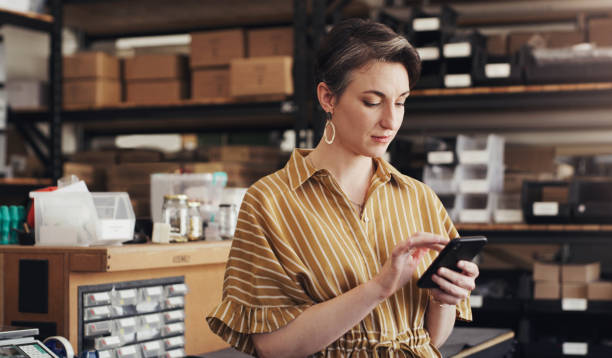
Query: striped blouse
{"type": "Point", "coordinates": [299, 242]}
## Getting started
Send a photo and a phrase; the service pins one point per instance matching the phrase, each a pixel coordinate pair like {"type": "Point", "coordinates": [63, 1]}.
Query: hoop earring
{"type": "Point", "coordinates": [333, 127]}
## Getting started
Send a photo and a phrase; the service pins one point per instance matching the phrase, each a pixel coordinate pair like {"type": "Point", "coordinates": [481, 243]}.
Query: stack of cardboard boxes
{"type": "Point", "coordinates": [156, 78]}
{"type": "Point", "coordinates": [91, 79]}
{"type": "Point", "coordinates": [555, 281]}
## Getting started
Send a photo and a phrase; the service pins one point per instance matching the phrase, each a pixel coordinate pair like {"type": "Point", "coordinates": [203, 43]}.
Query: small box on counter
{"type": "Point", "coordinates": [210, 83]}
{"type": "Point", "coordinates": [599, 290]}
{"type": "Point", "coordinates": [546, 290]}
{"type": "Point", "coordinates": [270, 42]}
{"type": "Point", "coordinates": [573, 290]}
{"type": "Point", "coordinates": [94, 92]}
{"type": "Point", "coordinates": [216, 48]}
{"type": "Point", "coordinates": [156, 91]}
{"type": "Point", "coordinates": [546, 272]}
{"type": "Point", "coordinates": [155, 66]}
{"type": "Point", "coordinates": [582, 273]}
{"type": "Point", "coordinates": [599, 32]}
{"type": "Point", "coordinates": [261, 76]}
{"type": "Point", "coordinates": [88, 65]}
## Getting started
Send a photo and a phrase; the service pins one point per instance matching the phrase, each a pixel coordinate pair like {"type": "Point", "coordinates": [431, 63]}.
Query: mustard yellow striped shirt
{"type": "Point", "coordinates": [299, 242]}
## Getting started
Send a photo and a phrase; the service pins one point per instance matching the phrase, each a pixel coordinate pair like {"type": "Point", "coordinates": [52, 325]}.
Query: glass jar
{"type": "Point", "coordinates": [195, 221]}
{"type": "Point", "coordinates": [175, 214]}
{"type": "Point", "coordinates": [227, 221]}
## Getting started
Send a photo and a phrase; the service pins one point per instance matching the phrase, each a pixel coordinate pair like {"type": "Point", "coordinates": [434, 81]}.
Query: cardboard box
{"type": "Point", "coordinates": [599, 32]}
{"type": "Point", "coordinates": [270, 42]}
{"type": "Point", "coordinates": [546, 290]}
{"type": "Point", "coordinates": [580, 272]}
{"type": "Point", "coordinates": [599, 290]}
{"type": "Point", "coordinates": [210, 83]}
{"type": "Point", "coordinates": [560, 39]}
{"type": "Point", "coordinates": [529, 158]}
{"type": "Point", "coordinates": [573, 290]}
{"type": "Point", "coordinates": [99, 157]}
{"type": "Point", "coordinates": [546, 272]}
{"type": "Point", "coordinates": [138, 172]}
{"type": "Point", "coordinates": [245, 153]}
{"type": "Point", "coordinates": [497, 45]}
{"type": "Point", "coordinates": [90, 65]}
{"type": "Point", "coordinates": [92, 175]}
{"type": "Point", "coordinates": [139, 156]}
{"type": "Point", "coordinates": [552, 39]}
{"type": "Point", "coordinates": [95, 92]}
{"type": "Point", "coordinates": [155, 91]}
{"type": "Point", "coordinates": [155, 67]}
{"type": "Point", "coordinates": [261, 76]}
{"type": "Point", "coordinates": [515, 256]}
{"type": "Point", "coordinates": [513, 181]}
{"type": "Point", "coordinates": [216, 48]}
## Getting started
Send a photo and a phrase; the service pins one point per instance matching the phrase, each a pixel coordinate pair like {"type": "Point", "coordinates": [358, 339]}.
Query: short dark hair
{"type": "Point", "coordinates": [354, 42]}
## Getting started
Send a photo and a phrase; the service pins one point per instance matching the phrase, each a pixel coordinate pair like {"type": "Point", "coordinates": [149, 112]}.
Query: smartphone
{"type": "Point", "coordinates": [463, 248]}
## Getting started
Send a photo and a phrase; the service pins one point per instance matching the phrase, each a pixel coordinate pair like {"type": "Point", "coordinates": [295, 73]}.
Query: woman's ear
{"type": "Point", "coordinates": [326, 97]}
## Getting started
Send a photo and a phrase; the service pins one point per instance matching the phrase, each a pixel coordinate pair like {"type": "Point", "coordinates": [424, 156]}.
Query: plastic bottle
{"type": "Point", "coordinates": [5, 221]}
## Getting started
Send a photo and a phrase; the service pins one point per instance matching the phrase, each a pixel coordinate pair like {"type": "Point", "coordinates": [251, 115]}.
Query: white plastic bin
{"type": "Point", "coordinates": [479, 179]}
{"type": "Point", "coordinates": [440, 178]}
{"type": "Point", "coordinates": [115, 217]}
{"type": "Point", "coordinates": [475, 208]}
{"type": "Point", "coordinates": [508, 209]}
{"type": "Point", "coordinates": [204, 187]}
{"type": "Point", "coordinates": [65, 218]}
{"type": "Point", "coordinates": [480, 149]}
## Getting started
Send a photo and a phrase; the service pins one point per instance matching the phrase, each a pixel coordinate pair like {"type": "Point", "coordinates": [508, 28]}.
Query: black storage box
{"type": "Point", "coordinates": [546, 202]}
{"type": "Point", "coordinates": [460, 54]}
{"type": "Point", "coordinates": [496, 70]}
{"type": "Point", "coordinates": [567, 65]}
{"type": "Point", "coordinates": [591, 201]}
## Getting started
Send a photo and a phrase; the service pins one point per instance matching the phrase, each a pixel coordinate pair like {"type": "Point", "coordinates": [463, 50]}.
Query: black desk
{"type": "Point", "coordinates": [463, 342]}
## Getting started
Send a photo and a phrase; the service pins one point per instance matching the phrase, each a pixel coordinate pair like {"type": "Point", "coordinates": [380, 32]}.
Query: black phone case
{"type": "Point", "coordinates": [465, 248]}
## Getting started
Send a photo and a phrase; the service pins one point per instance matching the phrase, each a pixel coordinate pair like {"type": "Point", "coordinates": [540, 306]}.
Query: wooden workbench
{"type": "Point", "coordinates": [201, 263]}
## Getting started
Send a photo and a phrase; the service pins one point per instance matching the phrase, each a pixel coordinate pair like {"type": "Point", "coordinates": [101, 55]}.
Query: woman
{"type": "Point", "coordinates": [328, 250]}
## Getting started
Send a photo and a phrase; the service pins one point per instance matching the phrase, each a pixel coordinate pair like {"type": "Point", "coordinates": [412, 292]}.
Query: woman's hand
{"type": "Point", "coordinates": [405, 257]}
{"type": "Point", "coordinates": [454, 286]}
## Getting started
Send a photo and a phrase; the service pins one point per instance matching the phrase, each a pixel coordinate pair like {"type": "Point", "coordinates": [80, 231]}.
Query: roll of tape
{"type": "Point", "coordinates": [60, 346]}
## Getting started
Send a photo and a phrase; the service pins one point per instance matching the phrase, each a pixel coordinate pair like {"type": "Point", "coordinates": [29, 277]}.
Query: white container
{"type": "Point", "coordinates": [204, 187]}
{"type": "Point", "coordinates": [508, 209]}
{"type": "Point", "coordinates": [479, 179]}
{"type": "Point", "coordinates": [475, 208]}
{"type": "Point", "coordinates": [65, 218]}
{"type": "Point", "coordinates": [152, 349]}
{"type": "Point", "coordinates": [115, 217]}
{"type": "Point", "coordinates": [480, 149]}
{"type": "Point", "coordinates": [440, 178]}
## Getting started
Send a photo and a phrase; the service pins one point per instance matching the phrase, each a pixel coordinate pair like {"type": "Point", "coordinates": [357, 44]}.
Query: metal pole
{"type": "Point", "coordinates": [55, 92]}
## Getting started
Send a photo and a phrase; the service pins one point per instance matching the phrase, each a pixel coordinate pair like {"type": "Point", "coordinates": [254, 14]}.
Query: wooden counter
{"type": "Point", "coordinates": [201, 263]}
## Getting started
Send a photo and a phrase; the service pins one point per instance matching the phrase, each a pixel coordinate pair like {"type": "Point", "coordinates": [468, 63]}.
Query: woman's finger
{"type": "Point", "coordinates": [449, 288]}
{"type": "Point", "coordinates": [457, 278]}
{"type": "Point", "coordinates": [469, 268]}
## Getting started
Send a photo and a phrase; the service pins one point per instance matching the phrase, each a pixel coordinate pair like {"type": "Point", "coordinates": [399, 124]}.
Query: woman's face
{"type": "Point", "coordinates": [370, 111]}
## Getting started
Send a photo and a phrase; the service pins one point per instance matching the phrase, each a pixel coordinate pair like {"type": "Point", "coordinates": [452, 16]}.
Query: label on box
{"type": "Point", "coordinates": [428, 53]}
{"type": "Point", "coordinates": [459, 49]}
{"type": "Point", "coordinates": [127, 294]}
{"type": "Point", "coordinates": [153, 291]}
{"type": "Point", "coordinates": [104, 354]}
{"type": "Point", "coordinates": [127, 322]}
{"type": "Point", "coordinates": [440, 157]}
{"type": "Point", "coordinates": [100, 297]}
{"type": "Point", "coordinates": [178, 289]}
{"type": "Point", "coordinates": [426, 24]}
{"type": "Point", "coordinates": [476, 301]}
{"type": "Point", "coordinates": [460, 80]}
{"type": "Point", "coordinates": [100, 311]}
{"type": "Point", "coordinates": [126, 351]}
{"type": "Point", "coordinates": [175, 302]}
{"type": "Point", "coordinates": [175, 353]}
{"type": "Point", "coordinates": [497, 70]}
{"type": "Point", "coordinates": [174, 342]}
{"type": "Point", "coordinates": [545, 208]}
{"type": "Point", "coordinates": [575, 348]}
{"type": "Point", "coordinates": [111, 341]}
{"type": "Point", "coordinates": [151, 346]}
{"type": "Point", "coordinates": [574, 304]}
{"type": "Point", "coordinates": [174, 315]}
{"type": "Point", "coordinates": [151, 319]}
{"type": "Point", "coordinates": [474, 216]}
{"type": "Point", "coordinates": [474, 156]}
{"type": "Point", "coordinates": [508, 216]}
{"type": "Point", "coordinates": [174, 328]}
{"type": "Point", "coordinates": [474, 186]}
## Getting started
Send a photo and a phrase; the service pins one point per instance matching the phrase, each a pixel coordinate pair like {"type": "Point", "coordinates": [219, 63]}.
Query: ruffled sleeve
{"type": "Point", "coordinates": [261, 292]}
